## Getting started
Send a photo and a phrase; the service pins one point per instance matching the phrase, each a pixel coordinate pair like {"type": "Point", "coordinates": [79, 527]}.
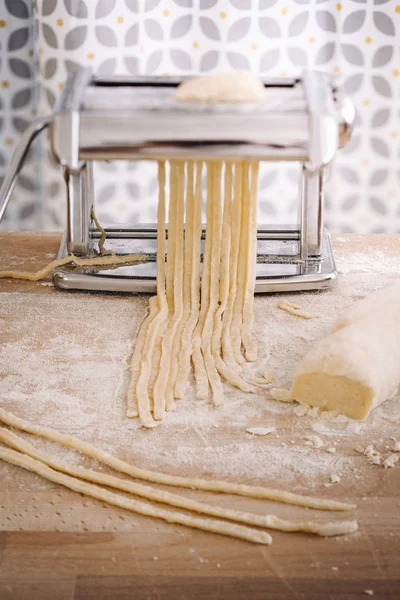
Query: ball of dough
{"type": "Point", "coordinates": [238, 86]}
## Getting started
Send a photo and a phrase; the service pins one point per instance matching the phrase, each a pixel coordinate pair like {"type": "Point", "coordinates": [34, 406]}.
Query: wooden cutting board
{"type": "Point", "coordinates": [63, 362]}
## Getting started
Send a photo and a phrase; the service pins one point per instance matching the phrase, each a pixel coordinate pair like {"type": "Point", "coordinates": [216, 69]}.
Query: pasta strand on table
{"type": "Point", "coordinates": [176, 480]}
{"type": "Point", "coordinates": [149, 493]}
{"type": "Point", "coordinates": [137, 506]}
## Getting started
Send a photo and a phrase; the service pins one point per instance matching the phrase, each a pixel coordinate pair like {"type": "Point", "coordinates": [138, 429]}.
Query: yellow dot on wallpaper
{"type": "Point", "coordinates": [366, 102]}
{"type": "Point", "coordinates": [8, 141]}
{"type": "Point", "coordinates": [395, 133]}
{"type": "Point", "coordinates": [283, 73]}
{"type": "Point", "coordinates": [30, 52]}
{"type": "Point", "coordinates": [368, 40]}
{"type": "Point", "coordinates": [90, 56]}
{"type": "Point", "coordinates": [60, 22]}
{"type": "Point", "coordinates": [165, 13]}
{"type": "Point", "coordinates": [397, 9]}
{"type": "Point", "coordinates": [254, 46]}
{"type": "Point", "coordinates": [284, 11]}
{"type": "Point", "coordinates": [336, 69]}
{"type": "Point", "coordinates": [311, 40]}
{"type": "Point", "coordinates": [40, 50]}
{"type": "Point", "coordinates": [60, 86]}
{"type": "Point", "coordinates": [195, 44]}
{"type": "Point", "coordinates": [338, 6]}
{"type": "Point", "coordinates": [120, 20]}
{"type": "Point", "coordinates": [396, 72]}
{"type": "Point", "coordinates": [222, 15]}
{"type": "Point", "coordinates": [141, 48]}
{"type": "Point", "coordinates": [5, 84]}
{"type": "Point", "coordinates": [2, 23]}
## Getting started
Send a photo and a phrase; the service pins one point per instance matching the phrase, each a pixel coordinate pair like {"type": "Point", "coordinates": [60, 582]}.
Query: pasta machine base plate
{"type": "Point", "coordinates": [279, 267]}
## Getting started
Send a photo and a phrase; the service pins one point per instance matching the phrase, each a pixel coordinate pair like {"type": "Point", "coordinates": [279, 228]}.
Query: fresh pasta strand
{"type": "Point", "coordinates": [185, 250]}
{"type": "Point", "coordinates": [166, 340]}
{"type": "Point", "coordinates": [97, 261]}
{"type": "Point", "coordinates": [295, 310]}
{"type": "Point", "coordinates": [250, 347]}
{"type": "Point", "coordinates": [237, 318]}
{"type": "Point", "coordinates": [160, 388]}
{"type": "Point", "coordinates": [175, 480]}
{"type": "Point", "coordinates": [227, 350]}
{"type": "Point", "coordinates": [149, 493]}
{"type": "Point", "coordinates": [178, 289]}
{"type": "Point", "coordinates": [143, 508]}
{"type": "Point", "coordinates": [214, 198]}
{"type": "Point", "coordinates": [160, 318]}
{"type": "Point", "coordinates": [135, 367]}
{"type": "Point", "coordinates": [103, 236]}
{"type": "Point", "coordinates": [200, 372]}
{"type": "Point", "coordinates": [195, 242]}
{"type": "Point", "coordinates": [229, 374]}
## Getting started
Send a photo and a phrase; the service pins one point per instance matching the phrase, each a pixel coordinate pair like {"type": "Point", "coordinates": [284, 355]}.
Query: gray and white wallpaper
{"type": "Point", "coordinates": [359, 40]}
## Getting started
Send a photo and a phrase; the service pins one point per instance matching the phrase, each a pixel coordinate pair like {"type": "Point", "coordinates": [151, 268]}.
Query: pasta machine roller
{"type": "Point", "coordinates": [303, 119]}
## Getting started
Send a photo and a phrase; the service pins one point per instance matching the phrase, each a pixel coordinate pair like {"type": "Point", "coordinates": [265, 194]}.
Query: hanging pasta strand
{"type": "Point", "coordinates": [237, 318]}
{"type": "Point", "coordinates": [159, 354]}
{"type": "Point", "coordinates": [143, 344]}
{"type": "Point", "coordinates": [161, 318]}
{"type": "Point", "coordinates": [197, 356]}
{"type": "Point", "coordinates": [136, 363]}
{"type": "Point", "coordinates": [208, 320]}
{"type": "Point", "coordinates": [176, 324]}
{"type": "Point", "coordinates": [187, 264]}
{"type": "Point", "coordinates": [214, 199]}
{"type": "Point", "coordinates": [249, 344]}
{"type": "Point", "coordinates": [230, 375]}
{"type": "Point", "coordinates": [174, 280]}
{"type": "Point", "coordinates": [227, 350]}
{"type": "Point", "coordinates": [194, 242]}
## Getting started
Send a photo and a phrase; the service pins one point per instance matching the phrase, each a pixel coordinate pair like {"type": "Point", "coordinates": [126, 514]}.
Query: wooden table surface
{"type": "Point", "coordinates": [172, 562]}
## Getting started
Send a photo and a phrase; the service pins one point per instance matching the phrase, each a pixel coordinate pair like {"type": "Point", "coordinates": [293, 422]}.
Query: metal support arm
{"type": "Point", "coordinates": [18, 159]}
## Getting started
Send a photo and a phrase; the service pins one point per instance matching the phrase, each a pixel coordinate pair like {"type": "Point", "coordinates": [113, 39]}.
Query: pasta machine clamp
{"type": "Point", "coordinates": [304, 120]}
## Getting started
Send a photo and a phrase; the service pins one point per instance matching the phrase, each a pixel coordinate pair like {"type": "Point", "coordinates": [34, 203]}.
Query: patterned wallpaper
{"type": "Point", "coordinates": [356, 39]}
{"type": "Point", "coordinates": [18, 102]}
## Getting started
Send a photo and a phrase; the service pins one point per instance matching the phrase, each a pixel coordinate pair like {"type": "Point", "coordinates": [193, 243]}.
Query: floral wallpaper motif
{"type": "Point", "coordinates": [355, 39]}
{"type": "Point", "coordinates": [18, 94]}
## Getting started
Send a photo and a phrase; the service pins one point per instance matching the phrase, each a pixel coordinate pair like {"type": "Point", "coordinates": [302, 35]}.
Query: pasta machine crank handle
{"type": "Point", "coordinates": [18, 159]}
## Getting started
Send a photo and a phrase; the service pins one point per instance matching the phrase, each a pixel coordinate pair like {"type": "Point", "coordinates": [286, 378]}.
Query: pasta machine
{"type": "Point", "coordinates": [303, 119]}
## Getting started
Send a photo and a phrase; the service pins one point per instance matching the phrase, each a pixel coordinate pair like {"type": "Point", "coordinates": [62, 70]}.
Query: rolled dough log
{"type": "Point", "coordinates": [357, 366]}
{"type": "Point", "coordinates": [238, 86]}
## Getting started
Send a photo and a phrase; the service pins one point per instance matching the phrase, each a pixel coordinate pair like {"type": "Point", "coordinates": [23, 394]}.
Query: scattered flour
{"type": "Point", "coordinates": [391, 461]}
{"type": "Point", "coordinates": [301, 410]}
{"type": "Point", "coordinates": [281, 395]}
{"type": "Point", "coordinates": [64, 363]}
{"type": "Point", "coordinates": [371, 262]}
{"type": "Point", "coordinates": [314, 441]}
{"type": "Point", "coordinates": [260, 430]}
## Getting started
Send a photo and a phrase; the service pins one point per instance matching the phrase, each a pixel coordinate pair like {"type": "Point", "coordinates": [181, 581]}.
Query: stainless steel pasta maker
{"type": "Point", "coordinates": [305, 119]}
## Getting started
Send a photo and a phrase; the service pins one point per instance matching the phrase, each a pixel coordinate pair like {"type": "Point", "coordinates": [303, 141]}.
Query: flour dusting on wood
{"type": "Point", "coordinates": [63, 363]}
